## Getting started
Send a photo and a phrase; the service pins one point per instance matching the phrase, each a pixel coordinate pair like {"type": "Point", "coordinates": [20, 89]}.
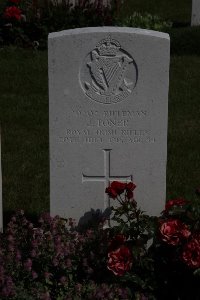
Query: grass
{"type": "Point", "coordinates": [185, 41]}
{"type": "Point", "coordinates": [183, 174]}
{"type": "Point", "coordinates": [24, 116]}
{"type": "Point", "coordinates": [24, 121]}
{"type": "Point", "coordinates": [178, 11]}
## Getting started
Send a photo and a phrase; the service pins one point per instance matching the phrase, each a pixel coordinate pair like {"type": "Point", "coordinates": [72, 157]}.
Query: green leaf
{"type": "Point", "coordinates": [197, 272]}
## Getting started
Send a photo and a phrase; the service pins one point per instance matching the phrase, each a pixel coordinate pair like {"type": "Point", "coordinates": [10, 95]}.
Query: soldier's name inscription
{"type": "Point", "coordinates": [111, 113]}
{"type": "Point", "coordinates": [107, 126]}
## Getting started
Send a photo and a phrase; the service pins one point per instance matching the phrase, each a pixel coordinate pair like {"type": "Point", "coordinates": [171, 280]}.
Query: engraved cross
{"type": "Point", "coordinates": [106, 178]}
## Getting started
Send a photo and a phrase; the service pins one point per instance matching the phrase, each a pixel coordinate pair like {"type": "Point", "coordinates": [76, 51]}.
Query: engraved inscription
{"type": "Point", "coordinates": [110, 136]}
{"type": "Point", "coordinates": [111, 113]}
{"type": "Point", "coordinates": [109, 73]}
{"type": "Point", "coordinates": [108, 126]}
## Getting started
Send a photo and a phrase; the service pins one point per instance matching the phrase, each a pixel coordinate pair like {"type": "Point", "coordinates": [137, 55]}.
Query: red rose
{"type": "Point", "coordinates": [191, 252]}
{"type": "Point", "coordinates": [175, 202]}
{"type": "Point", "coordinates": [120, 261]}
{"type": "Point", "coordinates": [111, 192]}
{"type": "Point", "coordinates": [129, 189]}
{"type": "Point", "coordinates": [119, 187]}
{"type": "Point", "coordinates": [116, 188]}
{"type": "Point", "coordinates": [130, 186]}
{"type": "Point", "coordinates": [117, 241]}
{"type": "Point", "coordinates": [173, 231]}
{"type": "Point", "coordinates": [129, 194]}
{"type": "Point", "coordinates": [13, 12]}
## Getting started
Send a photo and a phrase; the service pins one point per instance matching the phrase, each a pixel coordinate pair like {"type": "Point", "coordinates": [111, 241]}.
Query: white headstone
{"type": "Point", "coordinates": [195, 12]}
{"type": "Point", "coordinates": [1, 204]}
{"type": "Point", "coordinates": [108, 90]}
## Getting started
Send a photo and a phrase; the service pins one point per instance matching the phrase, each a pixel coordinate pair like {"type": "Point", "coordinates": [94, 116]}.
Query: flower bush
{"type": "Point", "coordinates": [136, 257]}
{"type": "Point", "coordinates": [26, 23]}
{"type": "Point", "coordinates": [177, 249]}
{"type": "Point", "coordinates": [173, 232]}
{"type": "Point", "coordinates": [12, 13]}
{"type": "Point", "coordinates": [52, 260]}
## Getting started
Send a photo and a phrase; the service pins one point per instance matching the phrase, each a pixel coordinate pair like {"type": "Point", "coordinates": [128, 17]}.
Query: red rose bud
{"type": "Point", "coordinates": [130, 186]}
{"type": "Point", "coordinates": [116, 188]}
{"type": "Point", "coordinates": [120, 261]}
{"type": "Point", "coordinates": [129, 194]}
{"type": "Point", "coordinates": [173, 231]}
{"type": "Point", "coordinates": [191, 252]}
{"type": "Point", "coordinates": [129, 190]}
{"type": "Point", "coordinates": [176, 202]}
{"type": "Point", "coordinates": [13, 12]}
{"type": "Point", "coordinates": [119, 187]}
{"type": "Point", "coordinates": [111, 192]}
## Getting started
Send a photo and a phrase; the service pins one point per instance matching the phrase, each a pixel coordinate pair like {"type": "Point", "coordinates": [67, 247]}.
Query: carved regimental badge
{"type": "Point", "coordinates": [109, 74]}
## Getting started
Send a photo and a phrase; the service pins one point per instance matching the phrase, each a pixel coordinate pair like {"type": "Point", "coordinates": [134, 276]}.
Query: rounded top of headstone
{"type": "Point", "coordinates": [109, 29]}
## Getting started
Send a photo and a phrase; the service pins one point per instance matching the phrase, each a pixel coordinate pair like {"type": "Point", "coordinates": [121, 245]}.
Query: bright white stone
{"type": "Point", "coordinates": [195, 13]}
{"type": "Point", "coordinates": [108, 90]}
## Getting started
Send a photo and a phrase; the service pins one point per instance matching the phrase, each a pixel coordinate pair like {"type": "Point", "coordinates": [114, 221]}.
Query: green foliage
{"type": "Point", "coordinates": [146, 21]}
{"type": "Point", "coordinates": [183, 175]}
{"type": "Point", "coordinates": [37, 20]}
{"type": "Point", "coordinates": [31, 28]}
{"type": "Point", "coordinates": [177, 256]}
{"type": "Point", "coordinates": [185, 41]}
{"type": "Point", "coordinates": [178, 11]}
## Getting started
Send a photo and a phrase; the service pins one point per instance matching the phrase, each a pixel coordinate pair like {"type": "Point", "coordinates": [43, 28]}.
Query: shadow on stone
{"type": "Point", "coordinates": [92, 218]}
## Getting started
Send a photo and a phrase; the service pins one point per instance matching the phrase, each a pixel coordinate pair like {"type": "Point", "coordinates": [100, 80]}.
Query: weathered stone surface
{"type": "Point", "coordinates": [108, 90]}
{"type": "Point", "coordinates": [195, 13]}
